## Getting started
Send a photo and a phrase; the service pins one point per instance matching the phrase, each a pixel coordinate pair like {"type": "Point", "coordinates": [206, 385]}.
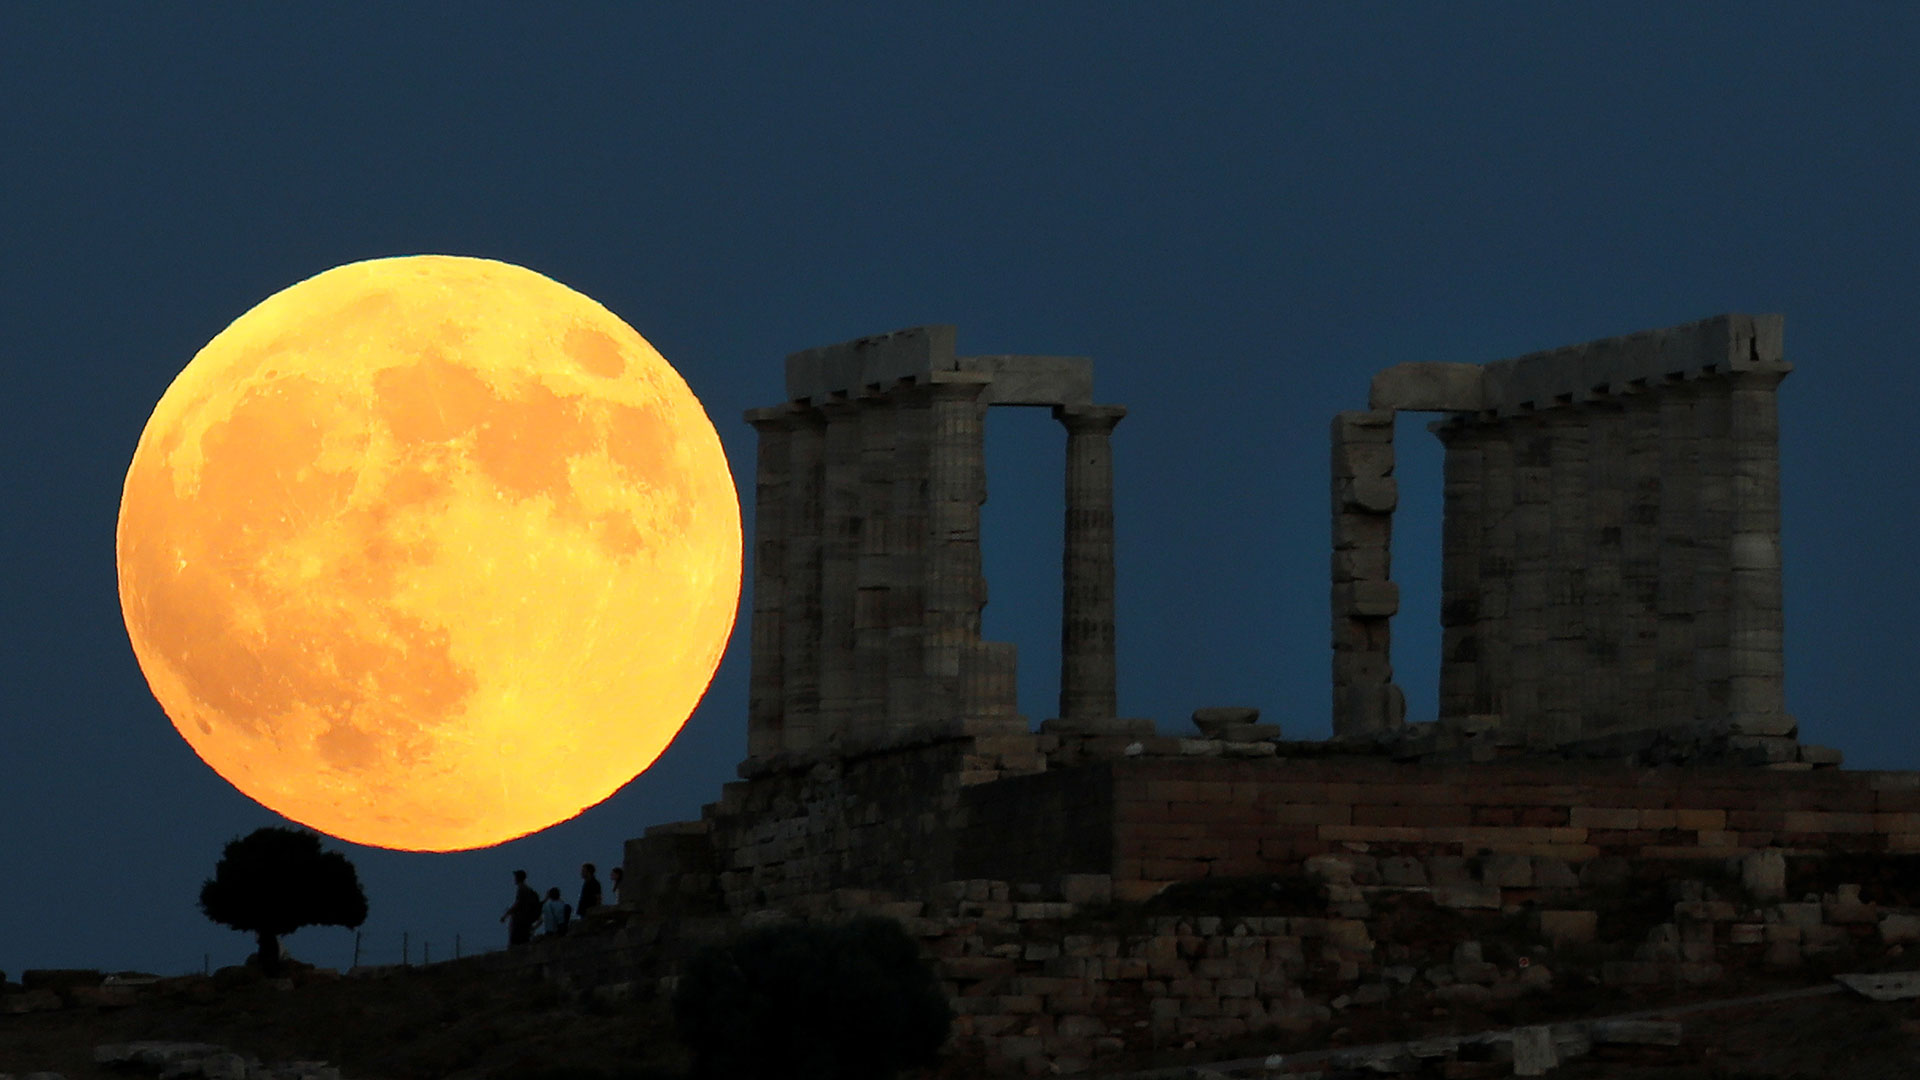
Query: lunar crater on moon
{"type": "Point", "coordinates": [429, 552]}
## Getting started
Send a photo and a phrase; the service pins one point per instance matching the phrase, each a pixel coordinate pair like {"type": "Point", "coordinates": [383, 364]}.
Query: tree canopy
{"type": "Point", "coordinates": [274, 881]}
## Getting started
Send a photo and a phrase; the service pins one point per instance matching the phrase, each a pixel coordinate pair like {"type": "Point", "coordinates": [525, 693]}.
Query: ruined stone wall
{"type": "Point", "coordinates": [1175, 820]}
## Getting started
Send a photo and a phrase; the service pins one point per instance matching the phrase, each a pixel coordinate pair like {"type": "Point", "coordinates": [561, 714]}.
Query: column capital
{"type": "Point", "coordinates": [1089, 418]}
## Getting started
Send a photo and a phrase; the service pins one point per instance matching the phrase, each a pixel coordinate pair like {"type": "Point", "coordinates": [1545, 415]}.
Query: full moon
{"type": "Point", "coordinates": [428, 553]}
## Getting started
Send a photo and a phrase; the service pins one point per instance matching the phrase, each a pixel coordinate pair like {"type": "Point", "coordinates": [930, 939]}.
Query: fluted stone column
{"type": "Point", "coordinates": [1566, 667]}
{"type": "Point", "coordinates": [1460, 529]}
{"type": "Point", "coordinates": [907, 538]}
{"type": "Point", "coordinates": [1603, 610]}
{"type": "Point", "coordinates": [1756, 667]}
{"type": "Point", "coordinates": [800, 622]}
{"type": "Point", "coordinates": [1712, 547]}
{"type": "Point", "coordinates": [1679, 519]}
{"type": "Point", "coordinates": [1640, 560]}
{"type": "Point", "coordinates": [839, 564]}
{"type": "Point", "coordinates": [765, 706]}
{"type": "Point", "coordinates": [1087, 681]}
{"type": "Point", "coordinates": [955, 587]}
{"type": "Point", "coordinates": [874, 569]}
{"type": "Point", "coordinates": [1494, 682]}
{"type": "Point", "coordinates": [1530, 586]}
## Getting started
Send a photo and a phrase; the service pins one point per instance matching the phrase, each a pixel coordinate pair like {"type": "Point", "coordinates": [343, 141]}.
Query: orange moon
{"type": "Point", "coordinates": [429, 553]}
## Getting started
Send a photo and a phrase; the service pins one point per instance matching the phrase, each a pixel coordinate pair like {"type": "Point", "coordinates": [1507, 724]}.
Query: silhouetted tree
{"type": "Point", "coordinates": [274, 881]}
{"type": "Point", "coordinates": [812, 1002]}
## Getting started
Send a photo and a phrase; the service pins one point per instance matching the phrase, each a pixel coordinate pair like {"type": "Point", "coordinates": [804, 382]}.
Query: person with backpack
{"type": "Point", "coordinates": [523, 913]}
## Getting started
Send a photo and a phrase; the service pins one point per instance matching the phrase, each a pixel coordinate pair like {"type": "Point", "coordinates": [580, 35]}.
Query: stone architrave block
{"type": "Point", "coordinates": [1426, 386]}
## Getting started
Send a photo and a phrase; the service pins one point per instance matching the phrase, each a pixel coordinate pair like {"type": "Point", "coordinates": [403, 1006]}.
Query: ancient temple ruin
{"type": "Point", "coordinates": [867, 584]}
{"type": "Point", "coordinates": [1096, 888]}
{"type": "Point", "coordinates": [1611, 541]}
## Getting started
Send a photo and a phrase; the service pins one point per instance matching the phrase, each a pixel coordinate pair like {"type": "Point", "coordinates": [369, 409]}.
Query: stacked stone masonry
{"type": "Point", "coordinates": [1611, 541]}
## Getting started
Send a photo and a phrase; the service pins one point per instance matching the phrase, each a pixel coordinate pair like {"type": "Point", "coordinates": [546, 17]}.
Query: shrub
{"type": "Point", "coordinates": [812, 1002]}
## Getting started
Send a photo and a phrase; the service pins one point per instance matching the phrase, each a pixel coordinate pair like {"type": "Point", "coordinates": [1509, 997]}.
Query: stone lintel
{"type": "Point", "coordinates": [1424, 386]}
{"type": "Point", "coordinates": [1034, 380]}
{"type": "Point", "coordinates": [878, 360]}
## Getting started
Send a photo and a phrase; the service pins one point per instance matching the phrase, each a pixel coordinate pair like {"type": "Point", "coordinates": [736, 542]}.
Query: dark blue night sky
{"type": "Point", "coordinates": [1239, 210]}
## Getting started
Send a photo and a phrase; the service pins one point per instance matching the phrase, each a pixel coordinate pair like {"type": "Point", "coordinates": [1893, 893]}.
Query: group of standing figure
{"type": "Point", "coordinates": [553, 914]}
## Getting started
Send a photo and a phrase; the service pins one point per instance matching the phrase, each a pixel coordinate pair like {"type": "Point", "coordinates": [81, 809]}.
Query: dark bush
{"type": "Point", "coordinates": [808, 1001]}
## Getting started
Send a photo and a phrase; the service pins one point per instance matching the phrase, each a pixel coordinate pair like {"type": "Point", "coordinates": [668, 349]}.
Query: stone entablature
{"type": "Point", "coordinates": [1610, 551]}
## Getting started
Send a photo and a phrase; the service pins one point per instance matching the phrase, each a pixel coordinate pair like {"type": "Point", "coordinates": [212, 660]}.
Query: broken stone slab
{"type": "Point", "coordinates": [1635, 1033]}
{"type": "Point", "coordinates": [1884, 985]}
{"type": "Point", "coordinates": [1214, 720]}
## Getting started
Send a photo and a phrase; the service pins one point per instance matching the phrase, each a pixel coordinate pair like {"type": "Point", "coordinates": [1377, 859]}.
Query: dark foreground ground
{"type": "Point", "coordinates": [453, 1022]}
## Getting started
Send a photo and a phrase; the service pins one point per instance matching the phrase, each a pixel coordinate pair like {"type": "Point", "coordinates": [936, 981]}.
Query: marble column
{"type": "Point", "coordinates": [1087, 681]}
{"type": "Point", "coordinates": [907, 549]}
{"type": "Point", "coordinates": [1640, 560]}
{"type": "Point", "coordinates": [839, 564]}
{"type": "Point", "coordinates": [800, 613]}
{"type": "Point", "coordinates": [1603, 611]}
{"type": "Point", "coordinates": [764, 695]}
{"type": "Point", "coordinates": [1756, 669]}
{"type": "Point", "coordinates": [874, 569]}
{"type": "Point", "coordinates": [1713, 547]}
{"type": "Point", "coordinates": [956, 486]}
{"type": "Point", "coordinates": [1530, 585]}
{"type": "Point", "coordinates": [1460, 530]}
{"type": "Point", "coordinates": [1494, 674]}
{"type": "Point", "coordinates": [1679, 521]}
{"type": "Point", "coordinates": [1566, 668]}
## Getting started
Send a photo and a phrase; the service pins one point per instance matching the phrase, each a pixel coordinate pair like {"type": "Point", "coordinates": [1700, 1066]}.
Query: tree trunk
{"type": "Point", "coordinates": [269, 953]}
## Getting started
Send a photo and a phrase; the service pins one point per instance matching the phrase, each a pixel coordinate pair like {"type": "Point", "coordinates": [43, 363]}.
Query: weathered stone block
{"type": "Point", "coordinates": [1467, 896]}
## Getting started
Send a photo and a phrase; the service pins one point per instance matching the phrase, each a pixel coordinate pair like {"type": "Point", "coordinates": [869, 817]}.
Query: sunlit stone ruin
{"type": "Point", "coordinates": [1612, 794]}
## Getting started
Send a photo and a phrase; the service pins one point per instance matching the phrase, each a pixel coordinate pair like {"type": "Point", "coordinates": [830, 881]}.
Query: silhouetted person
{"type": "Point", "coordinates": [613, 877]}
{"type": "Point", "coordinates": [523, 912]}
{"type": "Point", "coordinates": [589, 889]}
{"type": "Point", "coordinates": [555, 914]}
